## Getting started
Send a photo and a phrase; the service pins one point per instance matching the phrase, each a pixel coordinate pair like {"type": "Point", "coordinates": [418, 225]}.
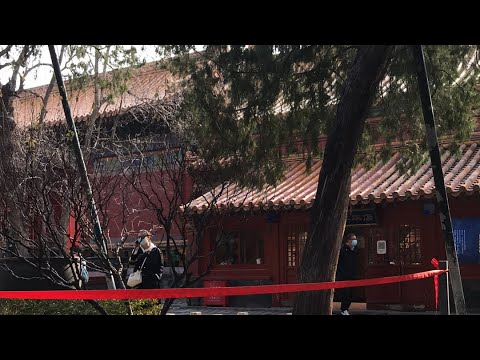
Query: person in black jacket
{"type": "Point", "coordinates": [346, 270]}
{"type": "Point", "coordinates": [150, 259]}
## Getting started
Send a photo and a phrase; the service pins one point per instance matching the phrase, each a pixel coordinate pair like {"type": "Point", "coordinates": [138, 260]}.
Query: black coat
{"type": "Point", "coordinates": [152, 269]}
{"type": "Point", "coordinates": [347, 264]}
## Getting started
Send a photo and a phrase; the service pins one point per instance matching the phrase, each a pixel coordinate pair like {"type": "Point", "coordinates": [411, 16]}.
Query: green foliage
{"type": "Point", "coordinates": [145, 307]}
{"type": "Point", "coordinates": [92, 61]}
{"type": "Point", "coordinates": [19, 60]}
{"type": "Point", "coordinates": [254, 104]}
{"type": "Point", "coordinates": [76, 307]}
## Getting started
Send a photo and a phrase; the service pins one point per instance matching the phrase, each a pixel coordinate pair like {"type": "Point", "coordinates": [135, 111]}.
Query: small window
{"type": "Point", "coordinates": [296, 239]}
{"type": "Point", "coordinates": [240, 248]}
{"type": "Point", "coordinates": [106, 166]}
{"type": "Point", "coordinates": [410, 244]}
{"type": "Point", "coordinates": [302, 239]}
{"type": "Point", "coordinates": [291, 250]}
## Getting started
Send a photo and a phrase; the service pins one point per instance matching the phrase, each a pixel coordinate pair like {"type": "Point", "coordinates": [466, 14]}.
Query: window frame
{"type": "Point", "coordinates": [260, 251]}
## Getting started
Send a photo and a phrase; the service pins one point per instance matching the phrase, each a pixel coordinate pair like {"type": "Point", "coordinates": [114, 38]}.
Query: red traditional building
{"type": "Point", "coordinates": [394, 217]}
{"type": "Point", "coordinates": [146, 85]}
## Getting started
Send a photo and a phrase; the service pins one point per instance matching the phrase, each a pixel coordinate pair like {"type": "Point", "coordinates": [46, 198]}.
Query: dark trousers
{"type": "Point", "coordinates": [345, 296]}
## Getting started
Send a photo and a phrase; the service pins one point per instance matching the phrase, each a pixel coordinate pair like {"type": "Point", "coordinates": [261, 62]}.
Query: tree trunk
{"type": "Point", "coordinates": [439, 177]}
{"type": "Point", "coordinates": [328, 214]}
{"type": "Point", "coordinates": [8, 181]}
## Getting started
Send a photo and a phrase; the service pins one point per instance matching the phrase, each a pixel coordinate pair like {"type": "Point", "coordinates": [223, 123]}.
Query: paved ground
{"type": "Point", "coordinates": [356, 309]}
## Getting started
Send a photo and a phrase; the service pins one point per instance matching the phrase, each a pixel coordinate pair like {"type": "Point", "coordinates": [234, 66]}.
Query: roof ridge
{"type": "Point", "coordinates": [143, 70]}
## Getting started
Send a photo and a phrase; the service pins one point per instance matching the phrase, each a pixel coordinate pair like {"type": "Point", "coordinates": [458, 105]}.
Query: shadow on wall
{"type": "Point", "coordinates": [9, 282]}
{"type": "Point", "coordinates": [251, 301]}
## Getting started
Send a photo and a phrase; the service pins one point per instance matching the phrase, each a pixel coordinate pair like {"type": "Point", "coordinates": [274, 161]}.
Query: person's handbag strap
{"type": "Point", "coordinates": [141, 267]}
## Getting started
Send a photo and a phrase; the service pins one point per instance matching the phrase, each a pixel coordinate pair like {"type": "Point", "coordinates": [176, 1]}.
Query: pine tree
{"type": "Point", "coordinates": [252, 105]}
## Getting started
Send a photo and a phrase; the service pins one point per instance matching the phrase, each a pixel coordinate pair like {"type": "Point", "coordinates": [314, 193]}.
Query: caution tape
{"type": "Point", "coordinates": [206, 292]}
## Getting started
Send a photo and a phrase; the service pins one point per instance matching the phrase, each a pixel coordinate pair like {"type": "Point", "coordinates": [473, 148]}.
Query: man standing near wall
{"type": "Point", "coordinates": [346, 270]}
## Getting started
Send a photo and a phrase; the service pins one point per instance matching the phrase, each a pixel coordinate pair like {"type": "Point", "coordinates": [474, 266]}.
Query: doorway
{"type": "Point", "coordinates": [399, 250]}
{"type": "Point", "coordinates": [292, 242]}
{"type": "Point", "coordinates": [363, 234]}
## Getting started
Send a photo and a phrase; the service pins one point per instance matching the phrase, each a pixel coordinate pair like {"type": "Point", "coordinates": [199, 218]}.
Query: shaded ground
{"type": "Point", "coordinates": [182, 308]}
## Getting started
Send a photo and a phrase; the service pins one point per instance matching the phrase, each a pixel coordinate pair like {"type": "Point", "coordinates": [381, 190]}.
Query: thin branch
{"type": "Point", "coordinates": [6, 50]}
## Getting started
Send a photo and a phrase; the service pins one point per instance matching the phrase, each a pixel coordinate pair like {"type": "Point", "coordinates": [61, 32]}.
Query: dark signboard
{"type": "Point", "coordinates": [466, 232]}
{"type": "Point", "coordinates": [366, 216]}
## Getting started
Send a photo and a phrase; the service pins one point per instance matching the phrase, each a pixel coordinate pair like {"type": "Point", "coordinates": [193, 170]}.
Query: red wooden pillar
{"type": "Point", "coordinates": [275, 259]}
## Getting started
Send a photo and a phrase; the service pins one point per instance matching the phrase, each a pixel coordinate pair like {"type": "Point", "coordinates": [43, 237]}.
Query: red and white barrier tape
{"type": "Point", "coordinates": [205, 292]}
{"type": "Point", "coordinates": [436, 265]}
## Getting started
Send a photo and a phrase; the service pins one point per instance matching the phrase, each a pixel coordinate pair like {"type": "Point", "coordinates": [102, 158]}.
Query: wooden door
{"type": "Point", "coordinates": [292, 241]}
{"type": "Point", "coordinates": [382, 250]}
{"type": "Point", "coordinates": [412, 259]}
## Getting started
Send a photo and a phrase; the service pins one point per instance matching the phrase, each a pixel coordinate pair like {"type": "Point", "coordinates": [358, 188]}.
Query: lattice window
{"type": "Point", "coordinates": [410, 241]}
{"type": "Point", "coordinates": [245, 247]}
{"type": "Point", "coordinates": [296, 239]}
{"type": "Point", "coordinates": [227, 248]}
{"type": "Point", "coordinates": [291, 249]}
{"type": "Point", "coordinates": [302, 239]}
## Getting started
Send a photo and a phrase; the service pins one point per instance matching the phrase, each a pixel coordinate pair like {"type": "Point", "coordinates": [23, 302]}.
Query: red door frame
{"type": "Point", "coordinates": [419, 292]}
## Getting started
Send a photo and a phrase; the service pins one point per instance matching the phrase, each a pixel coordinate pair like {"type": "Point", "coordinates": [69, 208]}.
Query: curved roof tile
{"type": "Point", "coordinates": [148, 82]}
{"type": "Point", "coordinates": [383, 182]}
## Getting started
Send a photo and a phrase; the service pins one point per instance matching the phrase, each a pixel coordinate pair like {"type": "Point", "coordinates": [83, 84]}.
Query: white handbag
{"type": "Point", "coordinates": [135, 278]}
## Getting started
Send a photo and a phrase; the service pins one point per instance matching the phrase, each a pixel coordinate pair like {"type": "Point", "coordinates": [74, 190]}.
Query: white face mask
{"type": "Point", "coordinates": [144, 243]}
{"type": "Point", "coordinates": [354, 243]}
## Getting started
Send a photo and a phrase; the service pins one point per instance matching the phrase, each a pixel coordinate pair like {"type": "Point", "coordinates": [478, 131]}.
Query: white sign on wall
{"type": "Point", "coordinates": [381, 247]}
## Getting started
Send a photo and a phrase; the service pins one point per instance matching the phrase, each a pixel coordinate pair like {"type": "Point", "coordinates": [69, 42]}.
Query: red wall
{"type": "Point", "coordinates": [139, 214]}
{"type": "Point", "coordinates": [242, 271]}
{"type": "Point", "coordinates": [390, 217]}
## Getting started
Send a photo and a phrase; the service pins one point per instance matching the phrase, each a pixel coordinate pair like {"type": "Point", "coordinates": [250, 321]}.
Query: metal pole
{"type": "Point", "coordinates": [80, 162]}
{"type": "Point", "coordinates": [443, 290]}
{"type": "Point", "coordinates": [440, 191]}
